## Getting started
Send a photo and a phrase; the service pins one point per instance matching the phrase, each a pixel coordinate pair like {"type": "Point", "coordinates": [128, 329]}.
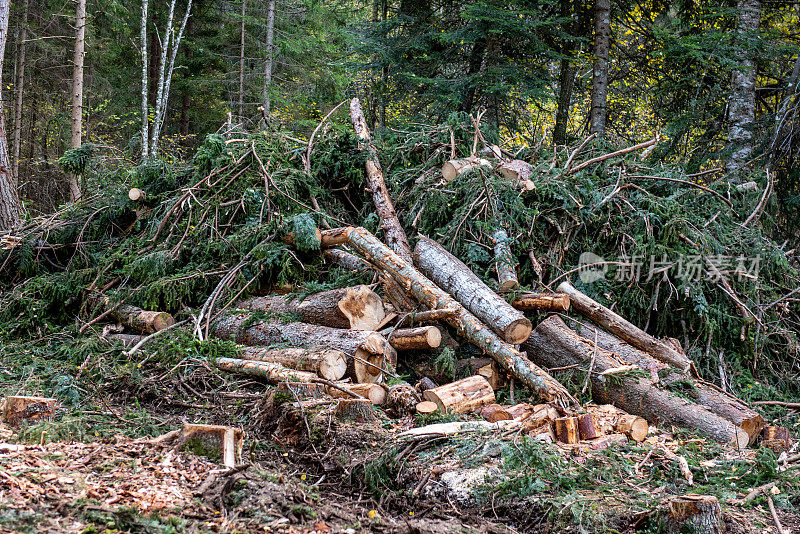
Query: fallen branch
{"type": "Point", "coordinates": [790, 405]}
{"type": "Point", "coordinates": [612, 155]}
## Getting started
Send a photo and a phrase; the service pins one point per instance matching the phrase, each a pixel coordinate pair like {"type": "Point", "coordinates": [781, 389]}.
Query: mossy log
{"type": "Point", "coordinates": [553, 344]}
{"type": "Point", "coordinates": [367, 352]}
{"type": "Point", "coordinates": [350, 307]}
{"type": "Point", "coordinates": [330, 364]}
{"type": "Point", "coordinates": [467, 325]}
{"type": "Point", "coordinates": [453, 276]}
{"type": "Point", "coordinates": [624, 329]}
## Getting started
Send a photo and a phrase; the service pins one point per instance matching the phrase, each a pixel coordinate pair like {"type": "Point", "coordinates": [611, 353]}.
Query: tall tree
{"type": "Point", "coordinates": [742, 103]}
{"type": "Point", "coordinates": [77, 90]}
{"type": "Point", "coordinates": [241, 62]}
{"type": "Point", "coordinates": [268, 60]}
{"type": "Point", "coordinates": [10, 206]}
{"type": "Point", "coordinates": [602, 45]}
{"type": "Point", "coordinates": [19, 86]}
{"type": "Point", "coordinates": [566, 77]}
{"type": "Point", "coordinates": [144, 95]}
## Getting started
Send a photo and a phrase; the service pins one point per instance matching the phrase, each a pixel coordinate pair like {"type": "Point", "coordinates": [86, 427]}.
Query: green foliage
{"type": "Point", "coordinates": [445, 362]}
{"type": "Point", "coordinates": [305, 233]}
{"type": "Point", "coordinates": [75, 161]}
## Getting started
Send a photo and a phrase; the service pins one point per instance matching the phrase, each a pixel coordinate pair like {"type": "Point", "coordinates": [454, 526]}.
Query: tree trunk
{"type": "Point", "coordinates": [463, 396]}
{"type": "Point", "coordinates": [567, 430]}
{"type": "Point", "coordinates": [542, 302]}
{"type": "Point", "coordinates": [356, 411]}
{"type": "Point", "coordinates": [330, 364]}
{"type": "Point", "coordinates": [77, 91]}
{"type": "Point", "coordinates": [352, 307]}
{"type": "Point", "coordinates": [504, 262]}
{"type": "Point", "coordinates": [622, 328]}
{"type": "Point", "coordinates": [268, 60]}
{"type": "Point", "coordinates": [517, 171]}
{"type": "Point", "coordinates": [566, 81]}
{"type": "Point", "coordinates": [367, 352]}
{"type": "Point", "coordinates": [345, 260]}
{"type": "Point", "coordinates": [143, 320]}
{"type": "Point", "coordinates": [394, 235]}
{"type": "Point", "coordinates": [467, 325]}
{"type": "Point", "coordinates": [420, 338]}
{"type": "Point", "coordinates": [10, 206]}
{"type": "Point", "coordinates": [742, 102]}
{"type": "Point", "coordinates": [269, 371]}
{"type": "Point", "coordinates": [602, 45]}
{"type": "Point", "coordinates": [241, 62]}
{"type": "Point", "coordinates": [20, 87]}
{"type": "Point", "coordinates": [553, 344]}
{"type": "Point", "coordinates": [475, 62]}
{"type": "Point", "coordinates": [450, 273]}
{"type": "Point", "coordinates": [144, 95]}
{"type": "Point", "coordinates": [713, 399]}
{"type": "Point", "coordinates": [457, 167]}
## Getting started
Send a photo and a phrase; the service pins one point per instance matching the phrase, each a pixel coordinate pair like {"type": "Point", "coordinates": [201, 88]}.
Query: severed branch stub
{"type": "Point", "coordinates": [504, 262]}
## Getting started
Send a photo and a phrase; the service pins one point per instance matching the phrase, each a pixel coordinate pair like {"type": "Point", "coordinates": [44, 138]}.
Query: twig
{"type": "Point", "coordinates": [790, 405]}
{"type": "Point", "coordinates": [622, 152]}
{"type": "Point", "coordinates": [754, 493]}
{"type": "Point", "coordinates": [703, 173]}
{"type": "Point", "coordinates": [764, 197]}
{"type": "Point", "coordinates": [771, 504]}
{"type": "Point", "coordinates": [577, 151]}
{"type": "Point", "coordinates": [151, 336]}
{"type": "Point", "coordinates": [685, 182]}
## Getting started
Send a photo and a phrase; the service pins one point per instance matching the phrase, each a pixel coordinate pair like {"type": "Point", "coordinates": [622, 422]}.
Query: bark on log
{"type": "Point", "coordinates": [776, 438]}
{"type": "Point", "coordinates": [17, 409]}
{"type": "Point", "coordinates": [713, 399]}
{"type": "Point", "coordinates": [495, 412]}
{"type": "Point", "coordinates": [429, 316]}
{"type": "Point", "coordinates": [345, 260]}
{"type": "Point", "coordinates": [453, 276]}
{"type": "Point", "coordinates": [222, 443]}
{"type": "Point", "coordinates": [457, 167]}
{"type": "Point", "coordinates": [462, 396]}
{"type": "Point", "coordinates": [367, 352]}
{"type": "Point", "coordinates": [553, 344]}
{"type": "Point", "coordinates": [567, 430]}
{"type": "Point", "coordinates": [351, 307]}
{"type": "Point", "coordinates": [355, 411]}
{"type": "Point", "coordinates": [393, 231]}
{"type": "Point", "coordinates": [504, 262]}
{"type": "Point", "coordinates": [144, 321]}
{"type": "Point", "coordinates": [611, 420]}
{"type": "Point", "coordinates": [467, 325]}
{"type": "Point", "coordinates": [542, 302]}
{"type": "Point", "coordinates": [516, 170]}
{"type": "Point", "coordinates": [700, 514]}
{"type": "Point", "coordinates": [622, 328]}
{"type": "Point", "coordinates": [271, 372]}
{"type": "Point", "coordinates": [301, 390]}
{"type": "Point", "coordinates": [375, 393]}
{"type": "Point", "coordinates": [420, 338]}
{"type": "Point", "coordinates": [588, 427]}
{"type": "Point", "coordinates": [402, 400]}
{"type": "Point", "coordinates": [330, 364]}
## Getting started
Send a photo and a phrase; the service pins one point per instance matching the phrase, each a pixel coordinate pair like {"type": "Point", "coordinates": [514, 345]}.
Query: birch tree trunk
{"type": "Point", "coordinates": [10, 206]}
{"type": "Point", "coordinates": [162, 66]}
{"type": "Point", "coordinates": [602, 39]}
{"type": "Point", "coordinates": [742, 104]}
{"type": "Point", "coordinates": [145, 114]}
{"type": "Point", "coordinates": [241, 63]}
{"type": "Point", "coordinates": [19, 85]}
{"type": "Point", "coordinates": [77, 91]}
{"type": "Point", "coordinates": [265, 98]}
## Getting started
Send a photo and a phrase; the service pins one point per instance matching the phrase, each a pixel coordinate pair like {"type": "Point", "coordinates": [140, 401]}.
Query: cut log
{"type": "Point", "coordinates": [462, 396]}
{"type": "Point", "coordinates": [127, 340]}
{"type": "Point", "coordinates": [17, 409]}
{"type": "Point", "coordinates": [301, 390]}
{"type": "Point", "coordinates": [553, 344]}
{"type": "Point", "coordinates": [710, 397]}
{"type": "Point", "coordinates": [453, 276]}
{"type": "Point", "coordinates": [467, 325]}
{"type": "Point", "coordinates": [375, 393]}
{"type": "Point", "coordinates": [429, 316]}
{"type": "Point", "coordinates": [535, 419]}
{"type": "Point", "coordinates": [424, 384]}
{"type": "Point", "coordinates": [542, 302]}
{"type": "Point", "coordinates": [271, 372]}
{"type": "Point", "coordinates": [504, 262]}
{"type": "Point", "coordinates": [367, 352]}
{"type": "Point", "coordinates": [492, 374]}
{"type": "Point", "coordinates": [457, 167]}
{"type": "Point", "coordinates": [567, 430]}
{"type": "Point", "coordinates": [620, 327]}
{"type": "Point", "coordinates": [393, 231]}
{"type": "Point", "coordinates": [420, 338]}
{"type": "Point", "coordinates": [611, 419]}
{"type": "Point", "coordinates": [220, 443]}
{"type": "Point", "coordinates": [136, 194]}
{"type": "Point", "coordinates": [588, 427]}
{"type": "Point", "coordinates": [603, 442]}
{"type": "Point", "coordinates": [457, 427]}
{"type": "Point", "coordinates": [495, 412]}
{"type": "Point", "coordinates": [332, 237]}
{"type": "Point", "coordinates": [330, 364]}
{"type": "Point", "coordinates": [144, 321]}
{"type": "Point", "coordinates": [700, 514]}
{"type": "Point", "coordinates": [776, 438]}
{"type": "Point", "coordinates": [352, 307]}
{"type": "Point", "coordinates": [345, 260]}
{"type": "Point", "coordinates": [516, 170]}
{"type": "Point", "coordinates": [402, 400]}
{"type": "Point", "coordinates": [355, 411]}
{"type": "Point", "coordinates": [426, 407]}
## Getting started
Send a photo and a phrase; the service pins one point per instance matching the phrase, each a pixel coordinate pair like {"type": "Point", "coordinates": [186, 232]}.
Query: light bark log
{"type": "Point", "coordinates": [463, 396]}
{"type": "Point", "coordinates": [271, 372]}
{"type": "Point", "coordinates": [144, 321]}
{"type": "Point", "coordinates": [611, 420]}
{"type": "Point", "coordinates": [467, 325]}
{"type": "Point", "coordinates": [127, 340]}
{"type": "Point", "coordinates": [376, 393]}
{"type": "Point", "coordinates": [420, 338]}
{"type": "Point", "coordinates": [330, 364]}
{"type": "Point", "coordinates": [346, 260]}
{"type": "Point", "coordinates": [542, 302]}
{"type": "Point", "coordinates": [504, 262]}
{"type": "Point", "coordinates": [136, 194]}
{"type": "Point", "coordinates": [454, 277]}
{"type": "Point", "coordinates": [352, 307]}
{"type": "Point", "coordinates": [457, 167]}
{"type": "Point", "coordinates": [553, 344]}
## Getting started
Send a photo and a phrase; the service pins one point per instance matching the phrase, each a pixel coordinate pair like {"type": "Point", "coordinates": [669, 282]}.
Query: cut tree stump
{"type": "Point", "coordinates": [518, 172]}
{"type": "Point", "coordinates": [467, 325]}
{"type": "Point", "coordinates": [495, 412]}
{"type": "Point", "coordinates": [355, 411]}
{"type": "Point", "coordinates": [567, 430]}
{"type": "Point", "coordinates": [220, 443]}
{"type": "Point", "coordinates": [776, 438]}
{"type": "Point", "coordinates": [622, 328]}
{"type": "Point", "coordinates": [542, 302]}
{"type": "Point", "coordinates": [700, 514]}
{"type": "Point", "coordinates": [553, 344]}
{"type": "Point", "coordinates": [462, 396]}
{"type": "Point", "coordinates": [454, 277]}
{"type": "Point", "coordinates": [375, 393]}
{"type": "Point", "coordinates": [136, 194]}
{"type": "Point", "coordinates": [588, 427]}
{"type": "Point", "coordinates": [351, 307]}
{"type": "Point", "coordinates": [301, 390]}
{"type": "Point", "coordinates": [420, 338]}
{"type": "Point", "coordinates": [457, 167]}
{"type": "Point", "coordinates": [367, 352]}
{"type": "Point", "coordinates": [612, 420]}
{"type": "Point", "coordinates": [504, 262]}
{"type": "Point", "coordinates": [17, 409]}
{"type": "Point", "coordinates": [402, 399]}
{"type": "Point", "coordinates": [707, 395]}
{"type": "Point", "coordinates": [330, 364]}
{"type": "Point", "coordinates": [426, 407]}
{"type": "Point", "coordinates": [392, 229]}
{"type": "Point", "coordinates": [269, 371]}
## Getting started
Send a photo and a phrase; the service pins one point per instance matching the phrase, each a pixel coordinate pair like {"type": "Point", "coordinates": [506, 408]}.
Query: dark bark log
{"type": "Point", "coordinates": [504, 262]}
{"type": "Point", "coordinates": [602, 44]}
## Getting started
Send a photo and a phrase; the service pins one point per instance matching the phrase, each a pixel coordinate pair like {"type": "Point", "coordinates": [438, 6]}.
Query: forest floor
{"type": "Point", "coordinates": [101, 470]}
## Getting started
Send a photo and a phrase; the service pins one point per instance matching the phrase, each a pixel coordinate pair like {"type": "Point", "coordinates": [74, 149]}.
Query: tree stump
{"type": "Point", "coordinates": [700, 514]}
{"type": "Point", "coordinates": [15, 410]}
{"type": "Point", "coordinates": [355, 411]}
{"type": "Point", "coordinates": [567, 430]}
{"type": "Point", "coordinates": [219, 443]}
{"type": "Point", "coordinates": [402, 400]}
